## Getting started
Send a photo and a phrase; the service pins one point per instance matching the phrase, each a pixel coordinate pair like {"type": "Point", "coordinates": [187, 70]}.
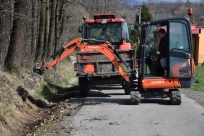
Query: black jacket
{"type": "Point", "coordinates": [163, 47]}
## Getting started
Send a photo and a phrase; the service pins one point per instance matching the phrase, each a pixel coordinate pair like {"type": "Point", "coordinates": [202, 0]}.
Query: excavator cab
{"type": "Point", "coordinates": [160, 76]}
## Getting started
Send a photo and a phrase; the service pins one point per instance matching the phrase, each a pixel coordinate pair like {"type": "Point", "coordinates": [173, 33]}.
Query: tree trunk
{"type": "Point", "coordinates": [17, 44]}
{"type": "Point", "coordinates": [62, 21]}
{"type": "Point", "coordinates": [5, 25]}
{"type": "Point", "coordinates": [47, 24]}
{"type": "Point", "coordinates": [50, 49]}
{"type": "Point", "coordinates": [34, 29]}
{"type": "Point", "coordinates": [57, 24]}
{"type": "Point", "coordinates": [39, 48]}
{"type": "Point", "coordinates": [60, 11]}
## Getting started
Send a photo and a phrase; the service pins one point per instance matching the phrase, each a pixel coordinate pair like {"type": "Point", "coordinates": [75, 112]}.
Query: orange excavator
{"type": "Point", "coordinates": [105, 48]}
{"type": "Point", "coordinates": [110, 59]}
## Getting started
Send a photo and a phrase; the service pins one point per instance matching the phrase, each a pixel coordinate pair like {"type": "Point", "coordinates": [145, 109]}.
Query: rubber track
{"type": "Point", "coordinates": [135, 98]}
{"type": "Point", "coordinates": [175, 97]}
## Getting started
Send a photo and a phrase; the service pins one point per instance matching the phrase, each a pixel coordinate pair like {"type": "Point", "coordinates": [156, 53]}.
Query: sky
{"type": "Point", "coordinates": [184, 0]}
{"type": "Point", "coordinates": [141, 1]}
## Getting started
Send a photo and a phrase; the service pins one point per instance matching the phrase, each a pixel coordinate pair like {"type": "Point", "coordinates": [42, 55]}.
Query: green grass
{"type": "Point", "coordinates": [61, 82]}
{"type": "Point", "coordinates": [47, 92]}
{"type": "Point", "coordinates": [199, 85]}
{"type": "Point", "coordinates": [42, 130]}
{"type": "Point", "coordinates": [56, 81]}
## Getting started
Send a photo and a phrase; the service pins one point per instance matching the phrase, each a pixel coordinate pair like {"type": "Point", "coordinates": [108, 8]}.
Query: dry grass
{"type": "Point", "coordinates": [8, 94]}
{"type": "Point", "coordinates": [14, 93]}
{"type": "Point", "coordinates": [52, 81]}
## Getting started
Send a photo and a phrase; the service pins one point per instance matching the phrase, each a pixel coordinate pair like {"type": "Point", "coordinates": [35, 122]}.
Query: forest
{"type": "Point", "coordinates": [31, 30]}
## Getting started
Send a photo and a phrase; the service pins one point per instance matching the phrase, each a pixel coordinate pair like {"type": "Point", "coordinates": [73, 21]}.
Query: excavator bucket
{"type": "Point", "coordinates": [38, 69]}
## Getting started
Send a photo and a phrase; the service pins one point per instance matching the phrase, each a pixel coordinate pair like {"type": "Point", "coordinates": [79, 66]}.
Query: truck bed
{"type": "Point", "coordinates": [103, 66]}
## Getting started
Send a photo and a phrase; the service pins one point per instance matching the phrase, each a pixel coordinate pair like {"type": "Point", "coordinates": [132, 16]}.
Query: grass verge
{"type": "Point", "coordinates": [54, 85]}
{"type": "Point", "coordinates": [199, 85]}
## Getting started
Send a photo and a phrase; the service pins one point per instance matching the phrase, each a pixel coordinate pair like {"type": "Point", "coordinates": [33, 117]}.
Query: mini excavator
{"type": "Point", "coordinates": [177, 68]}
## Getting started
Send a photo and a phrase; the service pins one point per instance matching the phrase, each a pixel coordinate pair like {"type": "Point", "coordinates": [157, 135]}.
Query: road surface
{"type": "Point", "coordinates": [107, 112]}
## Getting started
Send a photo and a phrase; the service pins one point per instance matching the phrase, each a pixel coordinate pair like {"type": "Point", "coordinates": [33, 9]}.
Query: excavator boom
{"type": "Point", "coordinates": [105, 48]}
{"type": "Point", "coordinates": [62, 53]}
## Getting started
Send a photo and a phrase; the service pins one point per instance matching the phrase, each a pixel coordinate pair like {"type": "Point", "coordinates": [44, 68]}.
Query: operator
{"type": "Point", "coordinates": [153, 61]}
{"type": "Point", "coordinates": [162, 50]}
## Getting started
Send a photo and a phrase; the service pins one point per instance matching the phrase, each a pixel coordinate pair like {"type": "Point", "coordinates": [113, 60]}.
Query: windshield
{"type": "Point", "coordinates": [152, 39]}
{"type": "Point", "coordinates": [108, 32]}
{"type": "Point", "coordinates": [178, 36]}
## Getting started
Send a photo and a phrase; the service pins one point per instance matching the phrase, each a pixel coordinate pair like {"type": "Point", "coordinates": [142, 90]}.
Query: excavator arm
{"type": "Point", "coordinates": [108, 50]}
{"type": "Point", "coordinates": [105, 48]}
{"type": "Point", "coordinates": [62, 53]}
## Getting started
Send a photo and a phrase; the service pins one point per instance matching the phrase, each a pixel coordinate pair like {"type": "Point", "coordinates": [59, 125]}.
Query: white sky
{"type": "Point", "coordinates": [185, 0]}
{"type": "Point", "coordinates": [182, 0]}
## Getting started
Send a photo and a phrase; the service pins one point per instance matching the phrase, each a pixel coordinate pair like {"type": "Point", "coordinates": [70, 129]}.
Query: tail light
{"type": "Point", "coordinates": [137, 63]}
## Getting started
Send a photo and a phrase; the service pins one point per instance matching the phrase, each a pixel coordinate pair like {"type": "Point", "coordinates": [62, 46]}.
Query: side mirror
{"type": "Point", "coordinates": [188, 55]}
{"type": "Point", "coordinates": [80, 29]}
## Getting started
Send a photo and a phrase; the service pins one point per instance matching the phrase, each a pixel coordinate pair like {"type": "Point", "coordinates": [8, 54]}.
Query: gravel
{"type": "Point", "coordinates": [195, 95]}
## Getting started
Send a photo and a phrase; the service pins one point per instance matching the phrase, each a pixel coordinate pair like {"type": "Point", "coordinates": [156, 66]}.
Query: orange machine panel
{"type": "Point", "coordinates": [89, 68]}
{"type": "Point", "coordinates": [160, 83]}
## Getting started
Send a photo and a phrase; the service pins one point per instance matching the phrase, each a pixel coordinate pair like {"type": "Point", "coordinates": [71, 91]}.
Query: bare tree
{"type": "Point", "coordinates": [6, 14]}
{"type": "Point", "coordinates": [74, 14]}
{"type": "Point", "coordinates": [99, 6]}
{"type": "Point", "coordinates": [34, 29]}
{"type": "Point", "coordinates": [17, 43]}
{"type": "Point", "coordinates": [40, 44]}
{"type": "Point", "coordinates": [6, 23]}
{"type": "Point", "coordinates": [52, 25]}
{"type": "Point", "coordinates": [47, 27]}
{"type": "Point", "coordinates": [59, 14]}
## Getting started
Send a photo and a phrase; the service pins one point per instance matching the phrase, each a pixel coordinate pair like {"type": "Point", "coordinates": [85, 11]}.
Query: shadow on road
{"type": "Point", "coordinates": [124, 100]}
{"type": "Point", "coordinates": [159, 101]}
{"type": "Point", "coordinates": [116, 95]}
{"type": "Point", "coordinates": [98, 97]}
{"type": "Point", "coordinates": [119, 101]}
{"type": "Point", "coordinates": [107, 87]}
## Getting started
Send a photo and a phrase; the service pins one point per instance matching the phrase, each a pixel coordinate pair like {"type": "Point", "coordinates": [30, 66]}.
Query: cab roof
{"type": "Point", "coordinates": [107, 18]}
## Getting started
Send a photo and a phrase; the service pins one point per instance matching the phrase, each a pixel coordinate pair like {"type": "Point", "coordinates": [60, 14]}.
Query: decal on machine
{"type": "Point", "coordinates": [93, 47]}
{"type": "Point", "coordinates": [120, 69]}
{"type": "Point", "coordinates": [157, 82]}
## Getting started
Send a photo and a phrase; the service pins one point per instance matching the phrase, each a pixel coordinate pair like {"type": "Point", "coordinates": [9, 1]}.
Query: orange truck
{"type": "Point", "coordinates": [103, 54]}
{"type": "Point", "coordinates": [96, 67]}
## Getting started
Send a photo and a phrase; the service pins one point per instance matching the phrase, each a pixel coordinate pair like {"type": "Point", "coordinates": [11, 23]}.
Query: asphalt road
{"type": "Point", "coordinates": [107, 112]}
